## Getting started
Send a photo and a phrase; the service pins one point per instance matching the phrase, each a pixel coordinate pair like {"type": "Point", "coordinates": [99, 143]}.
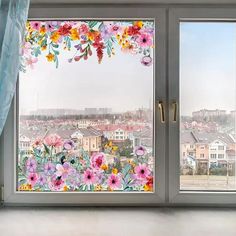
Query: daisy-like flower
{"type": "Point", "coordinates": [114, 182]}
{"type": "Point", "coordinates": [32, 179]}
{"type": "Point", "coordinates": [144, 40]}
{"type": "Point", "coordinates": [89, 177]}
{"type": "Point", "coordinates": [35, 25]}
{"type": "Point", "coordinates": [142, 171]}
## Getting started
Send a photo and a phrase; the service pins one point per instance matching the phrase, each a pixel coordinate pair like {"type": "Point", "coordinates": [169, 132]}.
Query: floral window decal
{"type": "Point", "coordinates": [85, 39]}
{"type": "Point", "coordinates": [96, 149]}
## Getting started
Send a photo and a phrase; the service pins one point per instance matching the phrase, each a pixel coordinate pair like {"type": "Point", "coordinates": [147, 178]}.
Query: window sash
{"type": "Point", "coordinates": [11, 196]}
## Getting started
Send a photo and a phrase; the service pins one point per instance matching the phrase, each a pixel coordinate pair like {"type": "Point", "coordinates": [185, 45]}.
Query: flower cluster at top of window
{"type": "Point", "coordinates": [54, 164]}
{"type": "Point", "coordinates": [86, 38]}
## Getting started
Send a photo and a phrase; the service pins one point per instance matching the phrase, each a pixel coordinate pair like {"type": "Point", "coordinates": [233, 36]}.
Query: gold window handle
{"type": "Point", "coordinates": [175, 107]}
{"type": "Point", "coordinates": [161, 109]}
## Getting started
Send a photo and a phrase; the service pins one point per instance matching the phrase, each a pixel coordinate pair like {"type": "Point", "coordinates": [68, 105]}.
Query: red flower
{"type": "Point", "coordinates": [150, 182]}
{"type": "Point", "coordinates": [133, 30]}
{"type": "Point", "coordinates": [99, 48]}
{"type": "Point", "coordinates": [64, 30]}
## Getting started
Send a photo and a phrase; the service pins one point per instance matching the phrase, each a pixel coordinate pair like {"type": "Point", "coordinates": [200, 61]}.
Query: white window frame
{"type": "Point", "coordinates": [175, 195]}
{"type": "Point", "coordinates": [13, 197]}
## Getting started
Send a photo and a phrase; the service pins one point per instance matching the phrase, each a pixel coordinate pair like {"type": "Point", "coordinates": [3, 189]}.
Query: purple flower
{"type": "Point", "coordinates": [146, 60]}
{"type": "Point", "coordinates": [140, 151]}
{"type": "Point", "coordinates": [49, 168]}
{"type": "Point", "coordinates": [105, 32]}
{"type": "Point", "coordinates": [42, 180]}
{"type": "Point", "coordinates": [64, 170]}
{"type": "Point", "coordinates": [69, 144]}
{"type": "Point", "coordinates": [31, 165]}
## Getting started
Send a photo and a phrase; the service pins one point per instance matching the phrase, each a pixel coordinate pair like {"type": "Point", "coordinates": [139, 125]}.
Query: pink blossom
{"type": "Point", "coordinates": [30, 61]}
{"type": "Point", "coordinates": [114, 181]}
{"type": "Point", "coordinates": [56, 183]}
{"type": "Point", "coordinates": [64, 170]}
{"type": "Point", "coordinates": [83, 29]}
{"type": "Point", "coordinates": [146, 61]}
{"type": "Point", "coordinates": [142, 171]}
{"type": "Point", "coordinates": [35, 25]}
{"type": "Point", "coordinates": [53, 140]}
{"type": "Point", "coordinates": [97, 160]}
{"type": "Point", "coordinates": [145, 40]}
{"type": "Point", "coordinates": [89, 177]}
{"type": "Point", "coordinates": [25, 48]}
{"type": "Point", "coordinates": [42, 180]}
{"type": "Point", "coordinates": [32, 179]}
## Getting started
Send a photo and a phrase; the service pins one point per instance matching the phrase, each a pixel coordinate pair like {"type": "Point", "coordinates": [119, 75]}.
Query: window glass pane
{"type": "Point", "coordinates": [207, 105]}
{"type": "Point", "coordinates": [86, 106]}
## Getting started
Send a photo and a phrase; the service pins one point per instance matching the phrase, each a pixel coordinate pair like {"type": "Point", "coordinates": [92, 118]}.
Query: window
{"type": "Point", "coordinates": [221, 147]}
{"type": "Point", "coordinates": [221, 156]}
{"type": "Point", "coordinates": [201, 124]}
{"type": "Point", "coordinates": [201, 43]}
{"type": "Point", "coordinates": [79, 60]}
{"type": "Point", "coordinates": [213, 156]}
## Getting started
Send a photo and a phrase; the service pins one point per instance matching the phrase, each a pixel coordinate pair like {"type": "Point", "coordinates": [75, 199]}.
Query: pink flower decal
{"type": "Point", "coordinates": [53, 140]}
{"type": "Point", "coordinates": [89, 177]}
{"type": "Point", "coordinates": [142, 171]}
{"type": "Point", "coordinates": [145, 40]}
{"type": "Point", "coordinates": [97, 159]}
{"type": "Point", "coordinates": [32, 179]}
{"type": "Point", "coordinates": [114, 182]}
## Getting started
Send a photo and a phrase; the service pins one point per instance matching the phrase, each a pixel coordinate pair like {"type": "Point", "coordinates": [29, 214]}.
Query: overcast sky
{"type": "Point", "coordinates": [207, 76]}
{"type": "Point", "coordinates": [121, 83]}
{"type": "Point", "coordinates": [208, 66]}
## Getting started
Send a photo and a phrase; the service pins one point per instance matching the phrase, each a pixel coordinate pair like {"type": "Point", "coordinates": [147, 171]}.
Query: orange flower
{"type": "Point", "coordinates": [65, 188]}
{"type": "Point", "coordinates": [104, 167]}
{"type": "Point", "coordinates": [44, 47]}
{"type": "Point", "coordinates": [55, 37]}
{"type": "Point", "coordinates": [42, 30]}
{"type": "Point", "coordinates": [93, 34]}
{"type": "Point", "coordinates": [50, 57]}
{"type": "Point", "coordinates": [139, 24]}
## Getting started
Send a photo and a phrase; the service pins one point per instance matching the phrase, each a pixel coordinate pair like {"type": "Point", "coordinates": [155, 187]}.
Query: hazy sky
{"type": "Point", "coordinates": [207, 76]}
{"type": "Point", "coordinates": [121, 83]}
{"type": "Point", "coordinates": [207, 66]}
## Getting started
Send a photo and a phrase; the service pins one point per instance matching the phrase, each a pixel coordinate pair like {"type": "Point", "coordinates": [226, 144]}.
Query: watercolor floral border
{"type": "Point", "coordinates": [54, 164]}
{"type": "Point", "coordinates": [86, 38]}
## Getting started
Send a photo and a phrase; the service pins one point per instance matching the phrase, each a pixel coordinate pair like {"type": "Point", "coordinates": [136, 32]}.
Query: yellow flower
{"type": "Point", "coordinates": [98, 188]}
{"type": "Point", "coordinates": [110, 144]}
{"type": "Point", "coordinates": [139, 24]}
{"type": "Point", "coordinates": [65, 188]}
{"type": "Point", "coordinates": [25, 187]}
{"type": "Point", "coordinates": [114, 171]}
{"type": "Point", "coordinates": [114, 148]}
{"type": "Point", "coordinates": [104, 167]}
{"type": "Point", "coordinates": [74, 34]}
{"type": "Point", "coordinates": [42, 30]}
{"type": "Point", "coordinates": [50, 57]}
{"type": "Point", "coordinates": [54, 37]}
